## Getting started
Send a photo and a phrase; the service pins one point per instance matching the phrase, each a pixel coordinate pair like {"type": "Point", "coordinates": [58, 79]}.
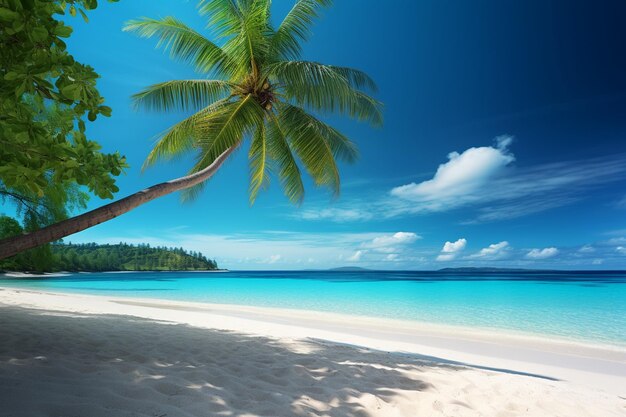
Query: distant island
{"type": "Point", "coordinates": [469, 269]}
{"type": "Point", "coordinates": [349, 269]}
{"type": "Point", "coordinates": [92, 257]}
{"type": "Point", "coordinates": [486, 269]}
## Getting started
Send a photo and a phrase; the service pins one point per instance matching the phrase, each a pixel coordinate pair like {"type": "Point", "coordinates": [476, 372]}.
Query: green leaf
{"type": "Point", "coordinates": [85, 18]}
{"type": "Point", "coordinates": [11, 75]}
{"type": "Point", "coordinates": [328, 88]}
{"type": "Point", "coordinates": [7, 15]}
{"type": "Point", "coordinates": [258, 162]}
{"type": "Point", "coordinates": [183, 42]}
{"type": "Point", "coordinates": [71, 91]}
{"type": "Point", "coordinates": [63, 31]}
{"type": "Point", "coordinates": [39, 34]}
{"type": "Point", "coordinates": [280, 152]}
{"type": "Point", "coordinates": [296, 28]}
{"type": "Point", "coordinates": [105, 111]}
{"type": "Point", "coordinates": [182, 94]}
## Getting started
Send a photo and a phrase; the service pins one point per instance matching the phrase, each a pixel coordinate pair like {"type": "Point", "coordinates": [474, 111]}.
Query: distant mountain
{"type": "Point", "coordinates": [486, 269]}
{"type": "Point", "coordinates": [349, 269]}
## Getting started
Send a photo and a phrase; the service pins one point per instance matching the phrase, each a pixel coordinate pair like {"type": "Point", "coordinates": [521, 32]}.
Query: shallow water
{"type": "Point", "coordinates": [589, 306]}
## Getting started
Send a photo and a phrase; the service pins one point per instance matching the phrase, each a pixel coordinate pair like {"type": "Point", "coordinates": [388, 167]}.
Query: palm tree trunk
{"type": "Point", "coordinates": [16, 244]}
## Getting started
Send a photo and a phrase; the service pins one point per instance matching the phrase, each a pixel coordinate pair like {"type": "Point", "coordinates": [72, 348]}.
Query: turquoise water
{"type": "Point", "coordinates": [574, 305]}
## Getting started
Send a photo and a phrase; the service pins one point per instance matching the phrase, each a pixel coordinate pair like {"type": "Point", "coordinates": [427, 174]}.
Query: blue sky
{"type": "Point", "coordinates": [503, 142]}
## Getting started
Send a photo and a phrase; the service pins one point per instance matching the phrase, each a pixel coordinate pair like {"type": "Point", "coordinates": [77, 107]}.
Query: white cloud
{"type": "Point", "coordinates": [494, 251]}
{"type": "Point", "coordinates": [587, 249]}
{"type": "Point", "coordinates": [390, 243]}
{"type": "Point", "coordinates": [544, 253]}
{"type": "Point", "coordinates": [451, 250]}
{"type": "Point", "coordinates": [482, 178]}
{"type": "Point", "coordinates": [339, 215]}
{"type": "Point", "coordinates": [457, 246]}
{"type": "Point", "coordinates": [458, 180]}
{"type": "Point", "coordinates": [297, 250]}
{"type": "Point", "coordinates": [356, 257]}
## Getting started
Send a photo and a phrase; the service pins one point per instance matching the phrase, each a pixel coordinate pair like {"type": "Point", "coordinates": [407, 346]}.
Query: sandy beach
{"type": "Point", "coordinates": [82, 355]}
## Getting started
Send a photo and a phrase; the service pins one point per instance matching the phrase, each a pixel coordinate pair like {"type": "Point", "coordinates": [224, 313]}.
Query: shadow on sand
{"type": "Point", "coordinates": [65, 365]}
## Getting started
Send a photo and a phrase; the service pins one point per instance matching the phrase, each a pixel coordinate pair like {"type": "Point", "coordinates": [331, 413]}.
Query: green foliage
{"type": "Point", "coordinates": [45, 95]}
{"type": "Point", "coordinates": [264, 92]}
{"type": "Point", "coordinates": [37, 260]}
{"type": "Point", "coordinates": [91, 257]}
{"type": "Point", "coordinates": [124, 257]}
{"type": "Point", "coordinates": [10, 227]}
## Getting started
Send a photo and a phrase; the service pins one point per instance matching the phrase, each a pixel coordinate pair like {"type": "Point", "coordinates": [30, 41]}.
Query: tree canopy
{"type": "Point", "coordinates": [262, 90]}
{"type": "Point", "coordinates": [45, 97]}
{"type": "Point", "coordinates": [254, 86]}
{"type": "Point", "coordinates": [91, 257]}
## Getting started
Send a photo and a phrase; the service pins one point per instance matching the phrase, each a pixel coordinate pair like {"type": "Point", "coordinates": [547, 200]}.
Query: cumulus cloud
{"type": "Point", "coordinates": [621, 249]}
{"type": "Point", "coordinates": [485, 180]}
{"type": "Point", "coordinates": [457, 180]}
{"type": "Point", "coordinates": [544, 253]}
{"type": "Point", "coordinates": [390, 243]}
{"type": "Point", "coordinates": [451, 250]}
{"type": "Point", "coordinates": [494, 251]}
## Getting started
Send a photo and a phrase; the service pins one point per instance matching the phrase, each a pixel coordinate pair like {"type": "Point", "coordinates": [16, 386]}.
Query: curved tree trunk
{"type": "Point", "coordinates": [16, 244]}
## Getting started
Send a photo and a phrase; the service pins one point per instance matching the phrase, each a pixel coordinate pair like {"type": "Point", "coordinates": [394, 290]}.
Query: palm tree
{"type": "Point", "coordinates": [257, 87]}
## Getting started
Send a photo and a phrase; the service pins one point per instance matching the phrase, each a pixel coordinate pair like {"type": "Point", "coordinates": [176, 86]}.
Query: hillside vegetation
{"type": "Point", "coordinates": [91, 257]}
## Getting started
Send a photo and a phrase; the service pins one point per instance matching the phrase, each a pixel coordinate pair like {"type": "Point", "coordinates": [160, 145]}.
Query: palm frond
{"type": "Point", "coordinates": [183, 42]}
{"type": "Point", "coordinates": [280, 152]}
{"type": "Point", "coordinates": [316, 144]}
{"type": "Point", "coordinates": [259, 172]}
{"type": "Point", "coordinates": [181, 137]}
{"type": "Point", "coordinates": [326, 88]}
{"type": "Point", "coordinates": [249, 47]}
{"type": "Point", "coordinates": [224, 129]}
{"type": "Point", "coordinates": [182, 94]}
{"type": "Point", "coordinates": [356, 78]}
{"type": "Point", "coordinates": [244, 24]}
{"type": "Point", "coordinates": [342, 148]}
{"type": "Point", "coordinates": [296, 27]}
{"type": "Point", "coordinates": [264, 96]}
{"type": "Point", "coordinates": [224, 16]}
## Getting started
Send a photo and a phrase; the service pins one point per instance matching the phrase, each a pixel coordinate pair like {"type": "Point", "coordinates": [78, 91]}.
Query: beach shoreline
{"type": "Point", "coordinates": [100, 356]}
{"type": "Point", "coordinates": [598, 367]}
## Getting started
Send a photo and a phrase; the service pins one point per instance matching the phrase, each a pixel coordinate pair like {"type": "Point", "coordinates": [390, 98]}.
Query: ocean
{"type": "Point", "coordinates": [582, 306]}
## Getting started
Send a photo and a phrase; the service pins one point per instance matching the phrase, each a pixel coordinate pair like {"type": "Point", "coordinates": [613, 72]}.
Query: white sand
{"type": "Point", "coordinates": [67, 355]}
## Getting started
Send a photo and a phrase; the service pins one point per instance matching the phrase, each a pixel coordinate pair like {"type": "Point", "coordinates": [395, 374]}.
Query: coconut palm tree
{"type": "Point", "coordinates": [257, 88]}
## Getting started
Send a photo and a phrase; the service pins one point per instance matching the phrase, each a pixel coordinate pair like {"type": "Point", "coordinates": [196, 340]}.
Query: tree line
{"type": "Point", "coordinates": [91, 257]}
{"type": "Point", "coordinates": [125, 257]}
